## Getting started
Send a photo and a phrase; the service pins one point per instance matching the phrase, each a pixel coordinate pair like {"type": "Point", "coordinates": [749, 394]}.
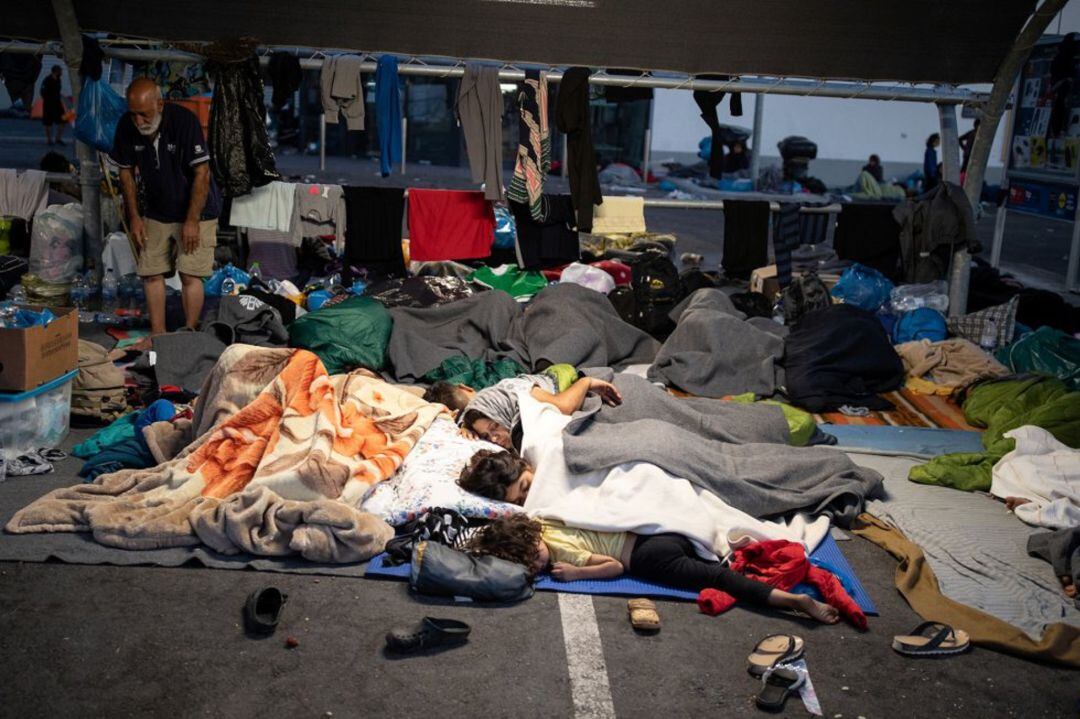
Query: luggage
{"type": "Point", "coordinates": [657, 289]}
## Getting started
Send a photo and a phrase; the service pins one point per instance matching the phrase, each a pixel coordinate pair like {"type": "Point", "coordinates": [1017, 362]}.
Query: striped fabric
{"type": "Point", "coordinates": [534, 148]}
{"type": "Point", "coordinates": [912, 410]}
{"type": "Point", "coordinates": [785, 239]}
{"type": "Point", "coordinates": [813, 227]}
{"type": "Point", "coordinates": [975, 547]}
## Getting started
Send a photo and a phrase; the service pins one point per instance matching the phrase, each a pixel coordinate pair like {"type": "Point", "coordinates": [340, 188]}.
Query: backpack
{"type": "Point", "coordinates": [805, 293]}
{"type": "Point", "coordinates": [657, 288]}
{"type": "Point", "coordinates": [97, 394]}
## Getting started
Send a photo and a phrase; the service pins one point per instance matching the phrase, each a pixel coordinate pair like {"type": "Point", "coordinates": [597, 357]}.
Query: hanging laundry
{"type": "Point", "coordinates": [707, 101]}
{"type": "Point", "coordinates": [388, 113]}
{"type": "Point", "coordinates": [322, 212]}
{"type": "Point", "coordinates": [276, 253]}
{"type": "Point", "coordinates": [479, 108]}
{"type": "Point", "coordinates": [269, 207]}
{"type": "Point", "coordinates": [551, 241]}
{"type": "Point", "coordinates": [342, 90]}
{"type": "Point", "coordinates": [619, 215]}
{"type": "Point", "coordinates": [373, 229]}
{"type": "Point", "coordinates": [22, 194]}
{"type": "Point", "coordinates": [785, 240]}
{"type": "Point", "coordinates": [572, 118]}
{"type": "Point", "coordinates": [746, 237]}
{"type": "Point", "coordinates": [285, 75]}
{"type": "Point", "coordinates": [534, 145]}
{"type": "Point", "coordinates": [449, 225]}
{"type": "Point", "coordinates": [240, 154]}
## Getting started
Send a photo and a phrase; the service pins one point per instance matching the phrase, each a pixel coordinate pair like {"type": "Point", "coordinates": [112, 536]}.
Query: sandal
{"type": "Point", "coordinates": [263, 609]}
{"type": "Point", "coordinates": [944, 641]}
{"type": "Point", "coordinates": [772, 651]}
{"type": "Point", "coordinates": [429, 633]}
{"type": "Point", "coordinates": [643, 615]}
{"type": "Point", "coordinates": [779, 682]}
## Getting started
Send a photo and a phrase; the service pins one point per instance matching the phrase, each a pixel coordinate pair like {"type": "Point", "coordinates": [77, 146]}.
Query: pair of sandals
{"type": "Point", "coordinates": [772, 661]}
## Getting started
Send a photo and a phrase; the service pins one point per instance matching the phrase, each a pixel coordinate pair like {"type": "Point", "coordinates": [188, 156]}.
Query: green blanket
{"type": "Point", "coordinates": [999, 407]}
{"type": "Point", "coordinates": [476, 373]}
{"type": "Point", "coordinates": [354, 333]}
{"type": "Point", "coordinates": [801, 424]}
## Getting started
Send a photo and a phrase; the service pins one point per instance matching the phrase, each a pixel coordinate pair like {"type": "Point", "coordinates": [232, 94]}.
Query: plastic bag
{"type": "Point", "coordinates": [934, 295]}
{"type": "Point", "coordinates": [505, 230]}
{"type": "Point", "coordinates": [100, 109]}
{"type": "Point", "coordinates": [56, 244]}
{"type": "Point", "coordinates": [212, 287]}
{"type": "Point", "coordinates": [863, 287]}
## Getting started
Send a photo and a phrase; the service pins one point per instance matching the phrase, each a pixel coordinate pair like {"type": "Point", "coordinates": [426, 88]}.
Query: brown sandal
{"type": "Point", "coordinates": [643, 615]}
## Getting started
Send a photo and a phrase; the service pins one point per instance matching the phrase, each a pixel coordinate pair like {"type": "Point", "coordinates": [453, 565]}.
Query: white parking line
{"type": "Point", "coordinates": [589, 685]}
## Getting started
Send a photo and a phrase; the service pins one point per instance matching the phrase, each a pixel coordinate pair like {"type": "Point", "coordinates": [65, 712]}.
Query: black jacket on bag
{"type": "Point", "coordinates": [572, 118]}
{"type": "Point", "coordinates": [240, 154]}
{"type": "Point", "coordinates": [840, 355]}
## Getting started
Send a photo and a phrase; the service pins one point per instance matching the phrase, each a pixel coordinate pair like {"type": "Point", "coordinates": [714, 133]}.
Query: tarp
{"type": "Point", "coordinates": [959, 41]}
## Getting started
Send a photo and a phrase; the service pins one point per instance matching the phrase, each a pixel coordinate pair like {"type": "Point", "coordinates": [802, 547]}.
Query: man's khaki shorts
{"type": "Point", "coordinates": [163, 254]}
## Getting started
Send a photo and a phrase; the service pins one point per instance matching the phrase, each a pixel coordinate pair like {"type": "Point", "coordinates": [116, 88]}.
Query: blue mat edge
{"type": "Point", "coordinates": [828, 551]}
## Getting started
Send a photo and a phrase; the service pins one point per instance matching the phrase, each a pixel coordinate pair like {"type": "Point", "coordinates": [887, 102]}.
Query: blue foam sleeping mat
{"type": "Point", "coordinates": [827, 555]}
{"type": "Point", "coordinates": [918, 440]}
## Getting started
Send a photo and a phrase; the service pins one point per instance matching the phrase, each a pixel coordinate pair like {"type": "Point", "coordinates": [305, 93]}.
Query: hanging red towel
{"type": "Point", "coordinates": [783, 564]}
{"type": "Point", "coordinates": [449, 225]}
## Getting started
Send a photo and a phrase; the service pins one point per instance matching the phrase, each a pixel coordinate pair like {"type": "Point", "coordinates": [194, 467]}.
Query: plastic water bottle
{"type": "Point", "coordinates": [228, 287]}
{"type": "Point", "coordinates": [988, 338]}
{"type": "Point", "coordinates": [127, 291]}
{"type": "Point", "coordinates": [255, 271]}
{"type": "Point", "coordinates": [109, 292]}
{"type": "Point", "coordinates": [17, 294]}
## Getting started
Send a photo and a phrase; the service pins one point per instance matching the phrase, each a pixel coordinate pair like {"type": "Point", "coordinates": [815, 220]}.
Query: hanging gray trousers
{"type": "Point", "coordinates": [479, 108]}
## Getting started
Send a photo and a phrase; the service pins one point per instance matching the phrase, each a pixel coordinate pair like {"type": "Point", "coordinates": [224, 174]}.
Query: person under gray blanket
{"type": "Point", "coordinates": [564, 324]}
{"type": "Point", "coordinates": [715, 351]}
{"type": "Point", "coordinates": [735, 451]}
{"type": "Point", "coordinates": [1062, 549]}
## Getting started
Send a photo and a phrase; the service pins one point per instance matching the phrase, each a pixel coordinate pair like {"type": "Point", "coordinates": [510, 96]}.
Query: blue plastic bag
{"type": "Point", "coordinates": [863, 287]}
{"type": "Point", "coordinates": [212, 286]}
{"type": "Point", "coordinates": [921, 324]}
{"type": "Point", "coordinates": [505, 230]}
{"type": "Point", "coordinates": [100, 109]}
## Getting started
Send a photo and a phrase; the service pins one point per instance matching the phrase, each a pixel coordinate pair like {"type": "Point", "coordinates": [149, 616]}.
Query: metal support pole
{"type": "Point", "coordinates": [960, 274]}
{"type": "Point", "coordinates": [404, 141]}
{"type": "Point", "coordinates": [755, 140]}
{"type": "Point", "coordinates": [565, 154]}
{"type": "Point", "coordinates": [645, 159]}
{"type": "Point", "coordinates": [89, 171]}
{"type": "Point", "coordinates": [999, 236]}
{"type": "Point", "coordinates": [322, 142]}
{"type": "Point", "coordinates": [1071, 281]}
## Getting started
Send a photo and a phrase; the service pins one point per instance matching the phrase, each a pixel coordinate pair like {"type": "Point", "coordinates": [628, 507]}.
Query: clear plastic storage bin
{"type": "Point", "coordinates": [37, 418]}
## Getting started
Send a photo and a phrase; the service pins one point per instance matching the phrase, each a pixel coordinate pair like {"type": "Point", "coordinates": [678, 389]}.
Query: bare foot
{"type": "Point", "coordinates": [818, 610]}
{"type": "Point", "coordinates": [1068, 587]}
{"type": "Point", "coordinates": [1013, 502]}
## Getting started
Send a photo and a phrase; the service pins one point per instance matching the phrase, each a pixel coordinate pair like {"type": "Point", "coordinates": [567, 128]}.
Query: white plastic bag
{"type": "Point", "coordinates": [56, 243]}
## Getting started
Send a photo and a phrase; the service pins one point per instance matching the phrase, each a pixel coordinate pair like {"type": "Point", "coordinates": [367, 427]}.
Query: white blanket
{"type": "Point", "coordinates": [1043, 471]}
{"type": "Point", "coordinates": [639, 497]}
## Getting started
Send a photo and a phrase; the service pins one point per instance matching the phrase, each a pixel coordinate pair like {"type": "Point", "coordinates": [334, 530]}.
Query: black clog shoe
{"type": "Point", "coordinates": [263, 609]}
{"type": "Point", "coordinates": [429, 633]}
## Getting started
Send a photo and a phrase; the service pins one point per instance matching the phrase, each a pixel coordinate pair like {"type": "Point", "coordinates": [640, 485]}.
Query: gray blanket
{"type": "Point", "coordinates": [715, 351]}
{"type": "Point", "coordinates": [721, 447]}
{"type": "Point", "coordinates": [564, 323]}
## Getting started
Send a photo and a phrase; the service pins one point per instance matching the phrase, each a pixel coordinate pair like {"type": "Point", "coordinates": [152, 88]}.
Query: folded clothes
{"type": "Point", "coordinates": [37, 462]}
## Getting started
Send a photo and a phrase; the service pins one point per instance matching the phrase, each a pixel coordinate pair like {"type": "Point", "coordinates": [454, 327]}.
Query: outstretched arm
{"type": "Point", "coordinates": [570, 401]}
{"type": "Point", "coordinates": [598, 567]}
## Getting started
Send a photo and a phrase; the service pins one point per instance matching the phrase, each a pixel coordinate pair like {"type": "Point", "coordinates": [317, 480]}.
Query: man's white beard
{"type": "Point", "coordinates": [150, 131]}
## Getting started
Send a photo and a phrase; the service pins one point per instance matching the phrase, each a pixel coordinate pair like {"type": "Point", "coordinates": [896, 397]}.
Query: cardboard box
{"type": "Point", "coordinates": [764, 280]}
{"type": "Point", "coordinates": [33, 356]}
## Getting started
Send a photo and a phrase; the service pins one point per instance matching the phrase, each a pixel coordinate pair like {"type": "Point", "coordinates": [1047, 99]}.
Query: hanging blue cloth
{"type": "Point", "coordinates": [388, 113]}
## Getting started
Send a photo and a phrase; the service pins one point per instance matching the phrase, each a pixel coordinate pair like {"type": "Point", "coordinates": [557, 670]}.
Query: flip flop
{"type": "Point", "coordinates": [643, 615]}
{"type": "Point", "coordinates": [944, 641]}
{"type": "Point", "coordinates": [263, 609]}
{"type": "Point", "coordinates": [773, 650]}
{"type": "Point", "coordinates": [779, 683]}
{"type": "Point", "coordinates": [429, 633]}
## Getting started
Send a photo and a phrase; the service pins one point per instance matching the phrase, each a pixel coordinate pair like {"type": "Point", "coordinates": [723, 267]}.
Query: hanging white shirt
{"type": "Point", "coordinates": [269, 207]}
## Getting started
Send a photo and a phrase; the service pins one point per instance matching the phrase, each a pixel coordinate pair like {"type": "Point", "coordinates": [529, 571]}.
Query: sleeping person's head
{"type": "Point", "coordinates": [454, 396]}
{"type": "Point", "coordinates": [487, 429]}
{"type": "Point", "coordinates": [516, 538]}
{"type": "Point", "coordinates": [501, 476]}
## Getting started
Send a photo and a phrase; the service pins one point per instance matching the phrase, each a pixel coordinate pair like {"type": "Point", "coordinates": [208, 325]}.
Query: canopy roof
{"type": "Point", "coordinates": [944, 41]}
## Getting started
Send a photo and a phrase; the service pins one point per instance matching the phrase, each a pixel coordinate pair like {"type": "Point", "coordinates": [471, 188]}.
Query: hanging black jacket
{"type": "Point", "coordinates": [707, 101]}
{"type": "Point", "coordinates": [285, 74]}
{"type": "Point", "coordinates": [240, 154]}
{"type": "Point", "coordinates": [572, 118]}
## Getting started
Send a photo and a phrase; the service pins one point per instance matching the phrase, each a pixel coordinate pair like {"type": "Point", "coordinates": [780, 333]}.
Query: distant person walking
{"type": "Point", "coordinates": [52, 106]}
{"type": "Point", "coordinates": [966, 141]}
{"type": "Point", "coordinates": [930, 164]}
{"type": "Point", "coordinates": [874, 167]}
